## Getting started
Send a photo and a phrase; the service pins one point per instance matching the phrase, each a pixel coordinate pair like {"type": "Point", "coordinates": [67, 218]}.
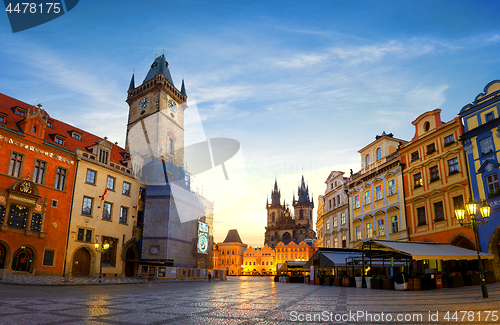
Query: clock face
{"type": "Point", "coordinates": [172, 105]}
{"type": "Point", "coordinates": [154, 250]}
{"type": "Point", "coordinates": [143, 103]}
{"type": "Point", "coordinates": [202, 244]}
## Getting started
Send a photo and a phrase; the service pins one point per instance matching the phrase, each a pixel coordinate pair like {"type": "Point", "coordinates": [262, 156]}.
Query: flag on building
{"type": "Point", "coordinates": [105, 191]}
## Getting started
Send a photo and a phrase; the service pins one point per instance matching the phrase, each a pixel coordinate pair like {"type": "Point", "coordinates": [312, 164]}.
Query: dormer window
{"type": "Point", "coordinates": [2, 119]}
{"type": "Point", "coordinates": [59, 140]}
{"type": "Point", "coordinates": [76, 135]}
{"type": "Point", "coordinates": [103, 156]}
{"type": "Point", "coordinates": [20, 113]}
{"type": "Point", "coordinates": [49, 124]}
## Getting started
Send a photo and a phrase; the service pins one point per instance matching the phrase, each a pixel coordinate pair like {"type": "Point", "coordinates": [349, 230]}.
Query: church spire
{"type": "Point", "coordinates": [275, 195]}
{"type": "Point", "coordinates": [160, 66]}
{"type": "Point", "coordinates": [183, 88]}
{"type": "Point", "coordinates": [132, 83]}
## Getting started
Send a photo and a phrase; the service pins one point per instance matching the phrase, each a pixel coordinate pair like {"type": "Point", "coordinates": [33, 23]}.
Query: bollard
{"type": "Point", "coordinates": [67, 277]}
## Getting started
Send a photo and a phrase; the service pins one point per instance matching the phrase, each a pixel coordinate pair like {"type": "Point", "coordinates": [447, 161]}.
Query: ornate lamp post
{"type": "Point", "coordinates": [102, 250]}
{"type": "Point", "coordinates": [475, 223]}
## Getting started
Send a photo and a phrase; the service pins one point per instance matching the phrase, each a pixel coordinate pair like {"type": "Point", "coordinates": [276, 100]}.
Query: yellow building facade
{"type": "Point", "coordinates": [229, 253]}
{"type": "Point", "coordinates": [259, 261]}
{"type": "Point", "coordinates": [376, 196]}
{"type": "Point", "coordinates": [104, 215]}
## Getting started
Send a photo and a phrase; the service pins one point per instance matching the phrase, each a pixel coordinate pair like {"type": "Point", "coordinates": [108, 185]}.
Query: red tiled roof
{"type": "Point", "coordinates": [87, 139]}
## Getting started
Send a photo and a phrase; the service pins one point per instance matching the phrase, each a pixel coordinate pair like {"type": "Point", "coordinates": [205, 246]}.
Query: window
{"type": "Point", "coordinates": [367, 160]}
{"type": "Point", "coordinates": [422, 220]}
{"type": "Point", "coordinates": [358, 233]}
{"type": "Point", "coordinates": [489, 117]}
{"type": "Point", "coordinates": [344, 241]}
{"type": "Point", "coordinates": [20, 113]}
{"type": "Point", "coordinates": [59, 141]}
{"type": "Point", "coordinates": [111, 183]}
{"type": "Point", "coordinates": [381, 228]}
{"type": "Point", "coordinates": [75, 135]}
{"type": "Point", "coordinates": [431, 148]}
{"type": "Point", "coordinates": [2, 119]}
{"type": "Point", "coordinates": [84, 235]}
{"type": "Point", "coordinates": [368, 198]}
{"type": "Point", "coordinates": [33, 129]}
{"type": "Point", "coordinates": [395, 225]}
{"type": "Point", "coordinates": [126, 188]}
{"type": "Point", "coordinates": [434, 171]}
{"type": "Point", "coordinates": [49, 124]}
{"type": "Point", "coordinates": [458, 201]}
{"type": "Point", "coordinates": [16, 161]}
{"type": "Point", "coordinates": [439, 211]}
{"type": "Point", "coordinates": [335, 222]}
{"type": "Point", "coordinates": [328, 225]}
{"type": "Point", "coordinates": [336, 243]}
{"type": "Point", "coordinates": [356, 202]}
{"type": "Point", "coordinates": [392, 187]}
{"type": "Point", "coordinates": [486, 146]}
{"type": "Point", "coordinates": [417, 180]}
{"type": "Point", "coordinates": [90, 179]}
{"type": "Point", "coordinates": [106, 211]}
{"type": "Point", "coordinates": [342, 218]}
{"type": "Point", "coordinates": [108, 256]}
{"type": "Point", "coordinates": [492, 181]}
{"type": "Point", "coordinates": [449, 140]}
{"type": "Point", "coordinates": [414, 156]}
{"type": "Point", "coordinates": [378, 192]}
{"type": "Point", "coordinates": [48, 257]}
{"type": "Point", "coordinates": [328, 243]}
{"type": "Point", "coordinates": [453, 166]}
{"type": "Point", "coordinates": [369, 231]}
{"type": "Point", "coordinates": [39, 172]}
{"type": "Point", "coordinates": [123, 215]}
{"type": "Point", "coordinates": [171, 146]}
{"type": "Point", "coordinates": [427, 126]}
{"type": "Point", "coordinates": [61, 175]}
{"type": "Point", "coordinates": [103, 156]}
{"type": "Point", "coordinates": [87, 206]}
{"type": "Point", "coordinates": [379, 154]}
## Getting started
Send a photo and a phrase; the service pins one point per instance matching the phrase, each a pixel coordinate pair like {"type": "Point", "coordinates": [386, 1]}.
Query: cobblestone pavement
{"type": "Point", "coordinates": [241, 300]}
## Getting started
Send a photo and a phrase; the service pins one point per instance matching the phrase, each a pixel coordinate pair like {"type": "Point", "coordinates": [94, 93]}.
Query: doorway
{"type": "Point", "coordinates": [129, 262]}
{"type": "Point", "coordinates": [81, 262]}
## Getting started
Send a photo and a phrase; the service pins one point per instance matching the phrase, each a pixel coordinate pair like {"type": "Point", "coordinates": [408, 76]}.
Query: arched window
{"type": "Point", "coordinates": [273, 217]}
{"type": "Point", "coordinates": [367, 160]}
{"type": "Point", "coordinates": [301, 214]}
{"type": "Point", "coordinates": [379, 154]}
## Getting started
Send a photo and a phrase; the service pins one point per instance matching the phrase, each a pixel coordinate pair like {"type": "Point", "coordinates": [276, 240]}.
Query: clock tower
{"type": "Point", "coordinates": [157, 101]}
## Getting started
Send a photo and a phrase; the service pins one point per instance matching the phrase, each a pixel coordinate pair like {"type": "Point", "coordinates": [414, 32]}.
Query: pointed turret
{"type": "Point", "coordinates": [159, 66]}
{"type": "Point", "coordinates": [183, 88]}
{"type": "Point", "coordinates": [303, 192]}
{"type": "Point", "coordinates": [275, 194]}
{"type": "Point", "coordinates": [132, 83]}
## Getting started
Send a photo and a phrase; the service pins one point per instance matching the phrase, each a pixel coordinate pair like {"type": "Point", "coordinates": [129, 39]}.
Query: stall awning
{"type": "Point", "coordinates": [424, 251]}
{"type": "Point", "coordinates": [292, 266]}
{"type": "Point", "coordinates": [339, 259]}
{"type": "Point", "coordinates": [333, 257]}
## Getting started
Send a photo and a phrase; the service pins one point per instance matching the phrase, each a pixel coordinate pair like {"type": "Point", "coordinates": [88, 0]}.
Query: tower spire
{"type": "Point", "coordinates": [183, 87]}
{"type": "Point", "coordinates": [132, 82]}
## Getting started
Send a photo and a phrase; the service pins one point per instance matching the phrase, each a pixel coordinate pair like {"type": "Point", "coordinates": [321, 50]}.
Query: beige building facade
{"type": "Point", "coordinates": [259, 261]}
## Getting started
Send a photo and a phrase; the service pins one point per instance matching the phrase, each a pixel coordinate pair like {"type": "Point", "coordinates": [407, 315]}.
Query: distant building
{"type": "Point", "coordinates": [294, 251]}
{"type": "Point", "coordinates": [436, 181]}
{"type": "Point", "coordinates": [376, 196]}
{"type": "Point", "coordinates": [259, 261]}
{"type": "Point", "coordinates": [229, 253]}
{"type": "Point", "coordinates": [333, 224]}
{"type": "Point", "coordinates": [282, 225]}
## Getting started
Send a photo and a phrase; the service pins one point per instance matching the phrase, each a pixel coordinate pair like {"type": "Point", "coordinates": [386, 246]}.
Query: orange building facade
{"type": "Point", "coordinates": [36, 183]}
{"type": "Point", "coordinates": [259, 261]}
{"type": "Point", "coordinates": [436, 181]}
{"type": "Point", "coordinates": [294, 251]}
{"type": "Point", "coordinates": [228, 255]}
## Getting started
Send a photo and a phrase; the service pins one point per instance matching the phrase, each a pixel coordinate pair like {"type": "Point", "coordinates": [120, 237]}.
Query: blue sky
{"type": "Point", "coordinates": [302, 85]}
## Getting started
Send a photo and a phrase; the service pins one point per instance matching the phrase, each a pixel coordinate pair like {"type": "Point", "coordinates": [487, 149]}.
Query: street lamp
{"type": "Point", "coordinates": [475, 223]}
{"type": "Point", "coordinates": [104, 248]}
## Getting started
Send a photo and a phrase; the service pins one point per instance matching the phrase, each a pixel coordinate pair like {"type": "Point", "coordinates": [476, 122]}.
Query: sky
{"type": "Point", "coordinates": [301, 85]}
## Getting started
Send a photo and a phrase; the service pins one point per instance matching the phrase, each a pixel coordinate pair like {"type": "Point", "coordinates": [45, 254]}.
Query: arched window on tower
{"type": "Point", "coordinates": [367, 160]}
{"type": "Point", "coordinates": [273, 217]}
{"type": "Point", "coordinates": [301, 214]}
{"type": "Point", "coordinates": [379, 154]}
